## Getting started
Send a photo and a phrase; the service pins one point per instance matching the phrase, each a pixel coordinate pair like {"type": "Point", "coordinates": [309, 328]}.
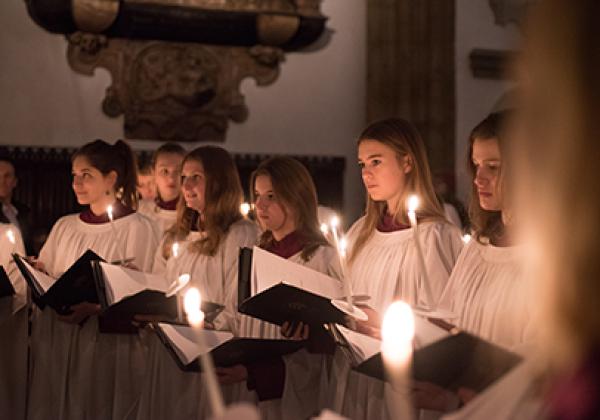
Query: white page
{"type": "Point", "coordinates": [43, 280]}
{"type": "Point", "coordinates": [185, 340]}
{"type": "Point", "coordinates": [123, 282]}
{"type": "Point", "coordinates": [269, 270]}
{"type": "Point", "coordinates": [365, 346]}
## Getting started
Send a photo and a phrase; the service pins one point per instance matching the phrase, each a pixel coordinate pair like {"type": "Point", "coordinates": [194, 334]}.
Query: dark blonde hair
{"type": "Point", "coordinates": [402, 137]}
{"type": "Point", "coordinates": [223, 196]}
{"type": "Point", "coordinates": [488, 223]}
{"type": "Point", "coordinates": [118, 158]}
{"type": "Point", "coordinates": [294, 189]}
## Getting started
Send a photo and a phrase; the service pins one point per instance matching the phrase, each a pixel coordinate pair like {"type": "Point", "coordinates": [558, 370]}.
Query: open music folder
{"type": "Point", "coordinates": [447, 360]}
{"type": "Point", "coordinates": [125, 292]}
{"type": "Point", "coordinates": [6, 287]}
{"type": "Point", "coordinates": [226, 350]}
{"type": "Point", "coordinates": [276, 290]}
{"type": "Point", "coordinates": [76, 285]}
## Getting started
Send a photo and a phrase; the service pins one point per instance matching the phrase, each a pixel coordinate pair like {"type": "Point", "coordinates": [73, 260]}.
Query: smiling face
{"type": "Point", "coordinates": [193, 185]}
{"type": "Point", "coordinates": [383, 175]}
{"type": "Point", "coordinates": [272, 214]}
{"type": "Point", "coordinates": [90, 185]}
{"type": "Point", "coordinates": [167, 173]}
{"type": "Point", "coordinates": [487, 161]}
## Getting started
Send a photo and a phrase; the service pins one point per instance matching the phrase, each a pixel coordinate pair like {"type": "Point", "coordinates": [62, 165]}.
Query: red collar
{"type": "Point", "coordinates": [290, 245]}
{"type": "Point", "coordinates": [167, 205]}
{"type": "Point", "coordinates": [388, 224]}
{"type": "Point", "coordinates": [119, 210]}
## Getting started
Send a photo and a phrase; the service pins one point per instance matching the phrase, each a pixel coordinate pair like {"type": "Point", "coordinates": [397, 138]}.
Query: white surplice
{"type": "Point", "coordinates": [162, 220]}
{"type": "Point", "coordinates": [13, 330]}
{"type": "Point", "coordinates": [168, 391]}
{"type": "Point", "coordinates": [386, 269]}
{"type": "Point", "coordinates": [77, 372]}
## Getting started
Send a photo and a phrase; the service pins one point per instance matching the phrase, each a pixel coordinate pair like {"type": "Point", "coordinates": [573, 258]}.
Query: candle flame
{"type": "Point", "coordinates": [466, 238]}
{"type": "Point", "coordinates": [397, 332]}
{"type": "Point", "coordinates": [324, 228]}
{"type": "Point", "coordinates": [175, 249]}
{"type": "Point", "coordinates": [413, 203]}
{"type": "Point", "coordinates": [11, 236]}
{"type": "Point", "coordinates": [245, 209]}
{"type": "Point", "coordinates": [334, 222]}
{"type": "Point", "coordinates": [191, 304]}
{"type": "Point", "coordinates": [109, 210]}
{"type": "Point", "coordinates": [343, 247]}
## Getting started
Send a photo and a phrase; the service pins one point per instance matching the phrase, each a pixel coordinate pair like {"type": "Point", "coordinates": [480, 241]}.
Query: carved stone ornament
{"type": "Point", "coordinates": [510, 11]}
{"type": "Point", "coordinates": [173, 91]}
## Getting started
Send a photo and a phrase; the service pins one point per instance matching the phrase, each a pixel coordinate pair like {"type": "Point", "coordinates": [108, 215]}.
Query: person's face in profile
{"type": "Point", "coordinates": [8, 180]}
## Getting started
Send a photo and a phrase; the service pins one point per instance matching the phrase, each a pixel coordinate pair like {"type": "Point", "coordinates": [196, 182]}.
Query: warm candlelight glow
{"type": "Point", "coordinates": [397, 332]}
{"type": "Point", "coordinates": [324, 228]}
{"type": "Point", "coordinates": [466, 238]}
{"type": "Point", "coordinates": [175, 249]}
{"type": "Point", "coordinates": [191, 305]}
{"type": "Point", "coordinates": [334, 222]}
{"type": "Point", "coordinates": [109, 210]}
{"type": "Point", "coordinates": [245, 209]}
{"type": "Point", "coordinates": [343, 247]}
{"type": "Point", "coordinates": [11, 236]}
{"type": "Point", "coordinates": [413, 203]}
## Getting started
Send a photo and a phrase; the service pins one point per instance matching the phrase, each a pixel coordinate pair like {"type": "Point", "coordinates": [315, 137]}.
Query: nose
{"type": "Point", "coordinates": [480, 179]}
{"type": "Point", "coordinates": [260, 203]}
{"type": "Point", "coordinates": [76, 181]}
{"type": "Point", "coordinates": [187, 184]}
{"type": "Point", "coordinates": [367, 174]}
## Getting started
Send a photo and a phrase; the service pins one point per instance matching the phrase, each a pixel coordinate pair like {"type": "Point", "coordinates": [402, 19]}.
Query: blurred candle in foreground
{"type": "Point", "coordinates": [397, 332]}
{"type": "Point", "coordinates": [195, 316]}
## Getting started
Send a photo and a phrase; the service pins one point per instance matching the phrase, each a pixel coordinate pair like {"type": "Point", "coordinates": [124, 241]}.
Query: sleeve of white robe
{"type": "Point", "coordinates": [241, 234]}
{"type": "Point", "coordinates": [159, 265]}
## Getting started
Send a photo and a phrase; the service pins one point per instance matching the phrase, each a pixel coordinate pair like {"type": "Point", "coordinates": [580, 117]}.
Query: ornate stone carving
{"type": "Point", "coordinates": [510, 11]}
{"type": "Point", "coordinates": [173, 91]}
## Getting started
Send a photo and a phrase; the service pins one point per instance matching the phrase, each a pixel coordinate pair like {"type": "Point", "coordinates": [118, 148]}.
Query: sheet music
{"type": "Point", "coordinates": [184, 340]}
{"type": "Point", "coordinates": [364, 346]}
{"type": "Point", "coordinates": [42, 280]}
{"type": "Point", "coordinates": [122, 282]}
{"type": "Point", "coordinates": [269, 270]}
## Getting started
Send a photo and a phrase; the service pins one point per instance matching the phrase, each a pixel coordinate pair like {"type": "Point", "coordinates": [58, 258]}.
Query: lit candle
{"type": "Point", "coordinates": [175, 249]}
{"type": "Point", "coordinates": [466, 238]}
{"type": "Point", "coordinates": [109, 211]}
{"type": "Point", "coordinates": [245, 209]}
{"type": "Point", "coordinates": [397, 332]}
{"type": "Point", "coordinates": [195, 316]}
{"type": "Point", "coordinates": [341, 246]}
{"type": "Point", "coordinates": [11, 236]}
{"type": "Point", "coordinates": [324, 229]}
{"type": "Point", "coordinates": [413, 204]}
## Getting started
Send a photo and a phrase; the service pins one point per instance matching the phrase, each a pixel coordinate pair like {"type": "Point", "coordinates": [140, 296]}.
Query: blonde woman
{"type": "Point", "coordinates": [383, 262]}
{"type": "Point", "coordinates": [210, 231]}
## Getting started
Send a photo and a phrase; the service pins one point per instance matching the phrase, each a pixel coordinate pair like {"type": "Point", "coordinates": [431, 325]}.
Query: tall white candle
{"type": "Point", "coordinates": [397, 332]}
{"type": "Point", "coordinates": [341, 246]}
{"type": "Point", "coordinates": [109, 211]}
{"type": "Point", "coordinates": [11, 236]}
{"type": "Point", "coordinates": [195, 316]}
{"type": "Point", "coordinates": [413, 205]}
{"type": "Point", "coordinates": [245, 209]}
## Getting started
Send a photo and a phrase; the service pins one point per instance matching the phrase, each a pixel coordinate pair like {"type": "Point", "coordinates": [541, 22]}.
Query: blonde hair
{"type": "Point", "coordinates": [223, 196]}
{"type": "Point", "coordinates": [405, 140]}
{"type": "Point", "coordinates": [294, 188]}
{"type": "Point", "coordinates": [558, 162]}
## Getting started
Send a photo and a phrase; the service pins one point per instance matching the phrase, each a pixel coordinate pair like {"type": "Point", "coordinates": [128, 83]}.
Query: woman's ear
{"type": "Point", "coordinates": [407, 164]}
{"type": "Point", "coordinates": [111, 180]}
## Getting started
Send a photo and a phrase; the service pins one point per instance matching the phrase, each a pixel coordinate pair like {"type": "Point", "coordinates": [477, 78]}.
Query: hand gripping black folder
{"type": "Point", "coordinates": [6, 287]}
{"type": "Point", "coordinates": [284, 302]}
{"type": "Point", "coordinates": [76, 285]}
{"type": "Point", "coordinates": [459, 360]}
{"type": "Point", "coordinates": [229, 352]}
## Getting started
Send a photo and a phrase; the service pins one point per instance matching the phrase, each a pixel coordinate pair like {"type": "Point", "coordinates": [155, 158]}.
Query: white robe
{"type": "Point", "coordinates": [306, 374]}
{"type": "Point", "coordinates": [489, 293]}
{"type": "Point", "coordinates": [162, 220]}
{"type": "Point", "coordinates": [167, 390]}
{"type": "Point", "coordinates": [13, 330]}
{"type": "Point", "coordinates": [386, 269]}
{"type": "Point", "coordinates": [77, 372]}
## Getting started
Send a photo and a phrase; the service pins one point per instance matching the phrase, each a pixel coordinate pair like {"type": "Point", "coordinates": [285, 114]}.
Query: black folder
{"type": "Point", "coordinates": [282, 302]}
{"type": "Point", "coordinates": [460, 360]}
{"type": "Point", "coordinates": [118, 317]}
{"type": "Point", "coordinates": [6, 287]}
{"type": "Point", "coordinates": [235, 351]}
{"type": "Point", "coordinates": [76, 285]}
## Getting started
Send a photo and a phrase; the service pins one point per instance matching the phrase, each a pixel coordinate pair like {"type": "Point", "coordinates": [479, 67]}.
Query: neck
{"type": "Point", "coordinates": [167, 198]}
{"type": "Point", "coordinates": [281, 233]}
{"type": "Point", "coordinates": [99, 207]}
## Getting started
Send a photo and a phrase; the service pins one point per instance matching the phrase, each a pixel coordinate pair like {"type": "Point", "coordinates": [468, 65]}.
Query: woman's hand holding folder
{"type": "Point", "coordinates": [80, 312]}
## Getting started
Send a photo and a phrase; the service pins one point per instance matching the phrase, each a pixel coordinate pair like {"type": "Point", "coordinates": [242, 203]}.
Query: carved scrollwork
{"type": "Point", "coordinates": [174, 91]}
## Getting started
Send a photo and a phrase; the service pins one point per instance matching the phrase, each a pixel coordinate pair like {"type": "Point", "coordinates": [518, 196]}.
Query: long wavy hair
{"type": "Point", "coordinates": [403, 137]}
{"type": "Point", "coordinates": [294, 189]}
{"type": "Point", "coordinates": [223, 196]}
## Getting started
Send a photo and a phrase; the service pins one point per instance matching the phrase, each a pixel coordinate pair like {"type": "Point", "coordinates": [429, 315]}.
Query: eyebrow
{"type": "Point", "coordinates": [376, 155]}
